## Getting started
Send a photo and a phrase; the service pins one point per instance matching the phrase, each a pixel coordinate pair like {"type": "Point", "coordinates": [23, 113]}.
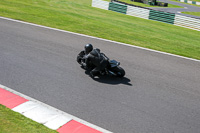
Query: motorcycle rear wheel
{"type": "Point", "coordinates": [80, 57]}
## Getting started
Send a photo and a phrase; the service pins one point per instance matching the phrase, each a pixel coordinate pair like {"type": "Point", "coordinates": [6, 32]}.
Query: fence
{"type": "Point", "coordinates": [145, 13]}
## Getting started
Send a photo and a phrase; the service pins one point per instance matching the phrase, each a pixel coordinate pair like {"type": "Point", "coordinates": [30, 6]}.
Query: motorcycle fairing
{"type": "Point", "coordinates": [114, 63]}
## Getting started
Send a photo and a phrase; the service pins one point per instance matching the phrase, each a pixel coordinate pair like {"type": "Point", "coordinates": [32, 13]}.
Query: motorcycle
{"type": "Point", "coordinates": [112, 69]}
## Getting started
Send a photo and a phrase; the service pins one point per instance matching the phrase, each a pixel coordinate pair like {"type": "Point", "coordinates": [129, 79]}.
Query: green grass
{"type": "Point", "coordinates": [145, 5]}
{"type": "Point", "coordinates": [13, 122]}
{"type": "Point", "coordinates": [188, 3]}
{"type": "Point", "coordinates": [192, 13]}
{"type": "Point", "coordinates": [78, 16]}
{"type": "Point", "coordinates": [195, 0]}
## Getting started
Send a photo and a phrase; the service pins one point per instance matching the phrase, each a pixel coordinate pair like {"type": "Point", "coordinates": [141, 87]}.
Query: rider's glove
{"type": "Point", "coordinates": [84, 65]}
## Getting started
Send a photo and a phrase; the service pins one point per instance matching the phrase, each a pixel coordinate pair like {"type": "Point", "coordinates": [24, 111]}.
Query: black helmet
{"type": "Point", "coordinates": [88, 48]}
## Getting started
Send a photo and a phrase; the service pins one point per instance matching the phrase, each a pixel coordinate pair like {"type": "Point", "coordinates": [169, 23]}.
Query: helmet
{"type": "Point", "coordinates": [88, 48]}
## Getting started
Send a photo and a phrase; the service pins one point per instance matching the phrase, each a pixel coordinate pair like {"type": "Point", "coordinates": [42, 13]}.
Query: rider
{"type": "Point", "coordinates": [94, 58]}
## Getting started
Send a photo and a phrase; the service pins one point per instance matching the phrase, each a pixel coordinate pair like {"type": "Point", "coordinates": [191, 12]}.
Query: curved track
{"type": "Point", "coordinates": [160, 93]}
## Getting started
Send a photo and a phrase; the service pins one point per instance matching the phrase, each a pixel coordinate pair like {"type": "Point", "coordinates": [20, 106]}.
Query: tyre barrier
{"type": "Point", "coordinates": [146, 13]}
{"type": "Point", "coordinates": [117, 7]}
{"type": "Point", "coordinates": [190, 2]}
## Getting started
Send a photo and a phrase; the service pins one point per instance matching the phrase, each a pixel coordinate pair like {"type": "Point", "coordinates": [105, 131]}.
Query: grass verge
{"type": "Point", "coordinates": [13, 122]}
{"type": "Point", "coordinates": [194, 0]}
{"type": "Point", "coordinates": [78, 16]}
{"type": "Point", "coordinates": [192, 13]}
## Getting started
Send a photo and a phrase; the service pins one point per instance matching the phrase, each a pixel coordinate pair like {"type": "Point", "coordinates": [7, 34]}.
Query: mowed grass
{"type": "Point", "coordinates": [12, 122]}
{"type": "Point", "coordinates": [192, 13]}
{"type": "Point", "coordinates": [79, 16]}
{"type": "Point", "coordinates": [194, 0]}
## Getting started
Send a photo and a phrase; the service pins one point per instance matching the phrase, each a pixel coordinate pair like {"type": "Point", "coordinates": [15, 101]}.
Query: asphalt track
{"type": "Point", "coordinates": [160, 93]}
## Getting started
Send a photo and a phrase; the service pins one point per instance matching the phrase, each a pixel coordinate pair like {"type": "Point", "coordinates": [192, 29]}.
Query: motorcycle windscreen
{"type": "Point", "coordinates": [114, 63]}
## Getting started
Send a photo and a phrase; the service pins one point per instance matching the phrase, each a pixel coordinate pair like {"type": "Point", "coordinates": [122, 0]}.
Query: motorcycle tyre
{"type": "Point", "coordinates": [79, 57]}
{"type": "Point", "coordinates": [119, 71]}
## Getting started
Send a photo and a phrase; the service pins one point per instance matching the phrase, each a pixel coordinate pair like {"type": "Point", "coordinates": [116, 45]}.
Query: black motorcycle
{"type": "Point", "coordinates": [112, 69]}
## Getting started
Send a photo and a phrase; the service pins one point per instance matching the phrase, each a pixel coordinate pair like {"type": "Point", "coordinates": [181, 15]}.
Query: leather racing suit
{"type": "Point", "coordinates": [96, 59]}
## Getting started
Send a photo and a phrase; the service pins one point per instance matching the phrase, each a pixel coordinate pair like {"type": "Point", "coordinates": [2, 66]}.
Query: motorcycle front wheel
{"type": "Point", "coordinates": [119, 71]}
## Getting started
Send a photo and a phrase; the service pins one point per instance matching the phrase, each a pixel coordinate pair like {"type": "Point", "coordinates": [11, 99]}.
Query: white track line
{"type": "Point", "coordinates": [98, 38]}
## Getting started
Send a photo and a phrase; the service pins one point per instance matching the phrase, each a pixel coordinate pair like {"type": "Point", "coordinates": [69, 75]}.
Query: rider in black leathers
{"type": "Point", "coordinates": [94, 58]}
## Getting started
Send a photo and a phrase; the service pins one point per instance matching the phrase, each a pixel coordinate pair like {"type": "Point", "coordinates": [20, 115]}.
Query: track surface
{"type": "Point", "coordinates": [160, 93]}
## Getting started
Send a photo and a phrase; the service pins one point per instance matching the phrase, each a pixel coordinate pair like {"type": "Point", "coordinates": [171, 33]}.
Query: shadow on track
{"type": "Point", "coordinates": [111, 80]}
